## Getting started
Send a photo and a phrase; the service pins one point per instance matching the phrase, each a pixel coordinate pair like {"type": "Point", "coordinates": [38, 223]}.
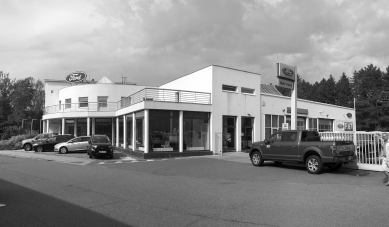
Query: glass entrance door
{"type": "Point", "coordinates": [247, 132]}
{"type": "Point", "coordinates": [229, 129]}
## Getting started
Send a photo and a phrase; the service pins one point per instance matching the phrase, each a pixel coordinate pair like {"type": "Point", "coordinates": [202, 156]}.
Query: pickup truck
{"type": "Point", "coordinates": [302, 146]}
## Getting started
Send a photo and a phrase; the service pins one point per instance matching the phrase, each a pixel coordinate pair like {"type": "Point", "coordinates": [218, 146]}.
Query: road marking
{"type": "Point", "coordinates": [149, 160]}
{"type": "Point", "coordinates": [2, 205]}
{"type": "Point", "coordinates": [119, 162]}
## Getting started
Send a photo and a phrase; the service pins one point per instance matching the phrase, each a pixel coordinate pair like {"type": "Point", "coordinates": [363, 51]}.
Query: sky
{"type": "Point", "coordinates": [152, 42]}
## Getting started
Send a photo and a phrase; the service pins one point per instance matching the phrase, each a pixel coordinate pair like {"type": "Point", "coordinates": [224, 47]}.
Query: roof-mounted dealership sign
{"type": "Point", "coordinates": [76, 77]}
{"type": "Point", "coordinates": [286, 71]}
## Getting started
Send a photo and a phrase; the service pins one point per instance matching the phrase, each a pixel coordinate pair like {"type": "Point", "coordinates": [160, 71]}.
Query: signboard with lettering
{"type": "Point", "coordinates": [348, 126]}
{"type": "Point", "coordinates": [76, 77]}
{"type": "Point", "coordinates": [285, 83]}
{"type": "Point", "coordinates": [286, 71]}
{"type": "Point", "coordinates": [285, 126]}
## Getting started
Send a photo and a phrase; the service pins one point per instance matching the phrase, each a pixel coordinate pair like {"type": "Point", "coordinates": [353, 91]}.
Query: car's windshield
{"type": "Point", "coordinates": [100, 139]}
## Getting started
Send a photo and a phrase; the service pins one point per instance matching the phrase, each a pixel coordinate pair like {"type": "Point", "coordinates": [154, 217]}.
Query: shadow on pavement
{"type": "Point", "coordinates": [25, 207]}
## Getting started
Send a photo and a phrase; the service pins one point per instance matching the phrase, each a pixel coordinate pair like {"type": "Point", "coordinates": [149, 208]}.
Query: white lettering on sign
{"type": "Point", "coordinates": [285, 83]}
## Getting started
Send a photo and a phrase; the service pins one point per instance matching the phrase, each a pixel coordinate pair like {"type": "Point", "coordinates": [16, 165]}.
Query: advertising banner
{"type": "Point", "coordinates": [286, 71]}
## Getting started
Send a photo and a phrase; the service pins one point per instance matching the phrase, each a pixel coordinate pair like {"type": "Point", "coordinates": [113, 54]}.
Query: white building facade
{"type": "Point", "coordinates": [215, 109]}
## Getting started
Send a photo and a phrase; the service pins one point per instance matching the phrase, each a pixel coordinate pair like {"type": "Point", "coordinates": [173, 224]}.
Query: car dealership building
{"type": "Point", "coordinates": [208, 111]}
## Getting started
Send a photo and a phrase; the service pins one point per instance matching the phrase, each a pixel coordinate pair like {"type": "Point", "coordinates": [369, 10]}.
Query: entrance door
{"type": "Point", "coordinates": [229, 129]}
{"type": "Point", "coordinates": [247, 132]}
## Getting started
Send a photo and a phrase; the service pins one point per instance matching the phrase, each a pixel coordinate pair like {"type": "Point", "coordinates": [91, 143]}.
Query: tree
{"type": "Point", "coordinates": [368, 91]}
{"type": "Point", "coordinates": [328, 91]}
{"type": "Point", "coordinates": [21, 96]}
{"type": "Point", "coordinates": [344, 95]}
{"type": "Point", "coordinates": [5, 100]}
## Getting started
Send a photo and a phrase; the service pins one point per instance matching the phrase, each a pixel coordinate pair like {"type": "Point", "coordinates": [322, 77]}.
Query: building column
{"type": "Point", "coordinates": [181, 132]}
{"type": "Point", "coordinates": [93, 125]}
{"type": "Point", "coordinates": [124, 132]}
{"type": "Point", "coordinates": [63, 126]}
{"type": "Point", "coordinates": [117, 131]}
{"type": "Point", "coordinates": [238, 139]}
{"type": "Point", "coordinates": [146, 131]}
{"type": "Point", "coordinates": [75, 127]}
{"type": "Point", "coordinates": [48, 127]}
{"type": "Point", "coordinates": [133, 132]}
{"type": "Point", "coordinates": [44, 126]}
{"type": "Point", "coordinates": [113, 131]}
{"type": "Point", "coordinates": [88, 126]}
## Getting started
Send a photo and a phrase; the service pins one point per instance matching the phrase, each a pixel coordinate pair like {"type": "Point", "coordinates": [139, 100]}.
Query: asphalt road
{"type": "Point", "coordinates": [202, 191]}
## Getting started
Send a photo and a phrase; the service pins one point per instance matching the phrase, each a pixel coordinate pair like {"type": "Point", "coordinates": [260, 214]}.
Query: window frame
{"type": "Point", "coordinates": [231, 86]}
{"type": "Point", "coordinates": [83, 104]}
{"type": "Point", "coordinates": [103, 103]}
{"type": "Point", "coordinates": [247, 93]}
{"type": "Point", "coordinates": [68, 105]}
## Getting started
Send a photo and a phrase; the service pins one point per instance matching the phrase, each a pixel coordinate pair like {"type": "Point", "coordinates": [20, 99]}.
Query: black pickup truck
{"type": "Point", "coordinates": [302, 146]}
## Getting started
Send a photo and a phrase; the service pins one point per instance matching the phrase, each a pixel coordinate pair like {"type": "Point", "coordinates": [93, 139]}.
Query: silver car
{"type": "Point", "coordinates": [76, 144]}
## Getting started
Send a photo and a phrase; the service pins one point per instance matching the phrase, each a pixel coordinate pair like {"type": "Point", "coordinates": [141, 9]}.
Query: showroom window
{"type": "Point", "coordinates": [68, 103]}
{"type": "Point", "coordinates": [273, 124]}
{"type": "Point", "coordinates": [301, 123]}
{"type": "Point", "coordinates": [163, 130]}
{"type": "Point", "coordinates": [196, 130]}
{"type": "Point", "coordinates": [83, 101]}
{"type": "Point", "coordinates": [229, 88]}
{"type": "Point", "coordinates": [312, 123]}
{"type": "Point", "coordinates": [325, 125]}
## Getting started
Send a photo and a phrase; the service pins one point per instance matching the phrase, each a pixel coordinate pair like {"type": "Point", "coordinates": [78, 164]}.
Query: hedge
{"type": "Point", "coordinates": [15, 142]}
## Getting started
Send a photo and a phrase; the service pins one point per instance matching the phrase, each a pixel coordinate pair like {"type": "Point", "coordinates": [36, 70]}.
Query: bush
{"type": "Point", "coordinates": [10, 131]}
{"type": "Point", "coordinates": [15, 142]}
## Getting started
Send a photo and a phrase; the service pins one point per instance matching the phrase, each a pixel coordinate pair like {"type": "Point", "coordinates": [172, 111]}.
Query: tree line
{"type": "Point", "coordinates": [369, 86]}
{"type": "Point", "coordinates": [21, 101]}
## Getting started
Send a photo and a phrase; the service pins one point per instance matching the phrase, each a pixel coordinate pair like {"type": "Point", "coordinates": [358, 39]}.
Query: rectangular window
{"type": "Point", "coordinates": [246, 90]}
{"type": "Point", "coordinates": [300, 124]}
{"type": "Point", "coordinates": [312, 122]}
{"type": "Point", "coordinates": [102, 101]}
{"type": "Point", "coordinates": [273, 124]}
{"type": "Point", "coordinates": [68, 103]}
{"type": "Point", "coordinates": [83, 101]}
{"type": "Point", "coordinates": [229, 88]}
{"type": "Point", "coordinates": [325, 125]}
{"type": "Point", "coordinates": [122, 101]}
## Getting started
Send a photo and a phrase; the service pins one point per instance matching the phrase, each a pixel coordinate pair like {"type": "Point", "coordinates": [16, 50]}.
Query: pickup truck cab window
{"type": "Point", "coordinates": [275, 137]}
{"type": "Point", "coordinates": [290, 136]}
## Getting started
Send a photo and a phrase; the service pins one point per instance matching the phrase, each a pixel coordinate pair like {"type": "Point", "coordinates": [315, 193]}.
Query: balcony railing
{"type": "Point", "coordinates": [147, 94]}
{"type": "Point", "coordinates": [82, 106]}
{"type": "Point", "coordinates": [165, 95]}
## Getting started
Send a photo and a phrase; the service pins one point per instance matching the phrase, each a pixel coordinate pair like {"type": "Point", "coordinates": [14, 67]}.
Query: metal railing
{"type": "Point", "coordinates": [336, 136]}
{"type": "Point", "coordinates": [165, 95]}
{"type": "Point", "coordinates": [82, 106]}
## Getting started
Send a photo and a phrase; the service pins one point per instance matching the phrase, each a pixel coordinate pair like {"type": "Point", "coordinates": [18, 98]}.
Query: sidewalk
{"type": "Point", "coordinates": [233, 157]}
{"type": "Point", "coordinates": [49, 156]}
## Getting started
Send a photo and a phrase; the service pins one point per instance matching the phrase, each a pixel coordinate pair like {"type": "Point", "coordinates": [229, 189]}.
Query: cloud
{"type": "Point", "coordinates": [152, 42]}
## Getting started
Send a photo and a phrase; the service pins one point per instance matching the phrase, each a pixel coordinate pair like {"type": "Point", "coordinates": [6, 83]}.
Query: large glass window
{"type": "Point", "coordinates": [83, 101]}
{"type": "Point", "coordinates": [301, 123]}
{"type": "Point", "coordinates": [139, 130]}
{"type": "Point", "coordinates": [312, 124]}
{"type": "Point", "coordinates": [129, 129]}
{"type": "Point", "coordinates": [163, 130]}
{"type": "Point", "coordinates": [247, 132]}
{"type": "Point", "coordinates": [196, 131]}
{"type": "Point", "coordinates": [229, 129]}
{"type": "Point", "coordinates": [103, 126]}
{"type": "Point", "coordinates": [325, 125]}
{"type": "Point", "coordinates": [69, 126]}
{"type": "Point", "coordinates": [273, 124]}
{"type": "Point", "coordinates": [82, 126]}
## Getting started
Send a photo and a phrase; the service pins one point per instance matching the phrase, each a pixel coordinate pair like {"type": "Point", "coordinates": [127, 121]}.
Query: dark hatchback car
{"type": "Point", "coordinates": [48, 144]}
{"type": "Point", "coordinates": [100, 145]}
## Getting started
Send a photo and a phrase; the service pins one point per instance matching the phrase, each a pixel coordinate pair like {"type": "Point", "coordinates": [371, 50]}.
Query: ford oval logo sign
{"type": "Point", "coordinates": [340, 126]}
{"type": "Point", "coordinates": [287, 71]}
{"type": "Point", "coordinates": [76, 77]}
{"type": "Point", "coordinates": [349, 115]}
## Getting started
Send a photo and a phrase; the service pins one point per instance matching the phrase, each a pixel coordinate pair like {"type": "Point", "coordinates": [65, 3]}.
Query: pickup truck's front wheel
{"type": "Point", "coordinates": [256, 158]}
{"type": "Point", "coordinates": [314, 164]}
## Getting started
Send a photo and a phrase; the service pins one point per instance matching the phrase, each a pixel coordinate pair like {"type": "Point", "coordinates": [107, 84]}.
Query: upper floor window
{"type": "Point", "coordinates": [68, 103]}
{"type": "Point", "coordinates": [102, 101]}
{"type": "Point", "coordinates": [246, 90]}
{"type": "Point", "coordinates": [83, 101]}
{"type": "Point", "coordinates": [229, 88]}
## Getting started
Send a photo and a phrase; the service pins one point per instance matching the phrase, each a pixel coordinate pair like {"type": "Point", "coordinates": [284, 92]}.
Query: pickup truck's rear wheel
{"type": "Point", "coordinates": [314, 164]}
{"type": "Point", "coordinates": [334, 166]}
{"type": "Point", "coordinates": [256, 158]}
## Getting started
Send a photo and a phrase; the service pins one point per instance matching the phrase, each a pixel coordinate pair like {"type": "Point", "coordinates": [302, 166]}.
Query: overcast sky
{"type": "Point", "coordinates": [153, 42]}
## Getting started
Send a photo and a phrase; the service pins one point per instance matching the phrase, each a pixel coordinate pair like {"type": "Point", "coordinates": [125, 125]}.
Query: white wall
{"type": "Point", "coordinates": [200, 81]}
{"type": "Point", "coordinates": [113, 91]}
{"type": "Point", "coordinates": [235, 104]}
{"type": "Point", "coordinates": [51, 91]}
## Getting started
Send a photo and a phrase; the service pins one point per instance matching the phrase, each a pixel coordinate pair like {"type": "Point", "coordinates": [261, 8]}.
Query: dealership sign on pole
{"type": "Point", "coordinates": [287, 75]}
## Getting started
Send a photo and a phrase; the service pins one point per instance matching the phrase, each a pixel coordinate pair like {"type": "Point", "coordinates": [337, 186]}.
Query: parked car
{"type": "Point", "coordinates": [303, 146]}
{"type": "Point", "coordinates": [27, 144]}
{"type": "Point", "coordinates": [48, 144]}
{"type": "Point", "coordinates": [76, 144]}
{"type": "Point", "coordinates": [100, 145]}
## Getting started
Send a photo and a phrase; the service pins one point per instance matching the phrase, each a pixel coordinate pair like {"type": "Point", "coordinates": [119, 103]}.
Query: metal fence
{"type": "Point", "coordinates": [82, 106]}
{"type": "Point", "coordinates": [165, 95]}
{"type": "Point", "coordinates": [367, 147]}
